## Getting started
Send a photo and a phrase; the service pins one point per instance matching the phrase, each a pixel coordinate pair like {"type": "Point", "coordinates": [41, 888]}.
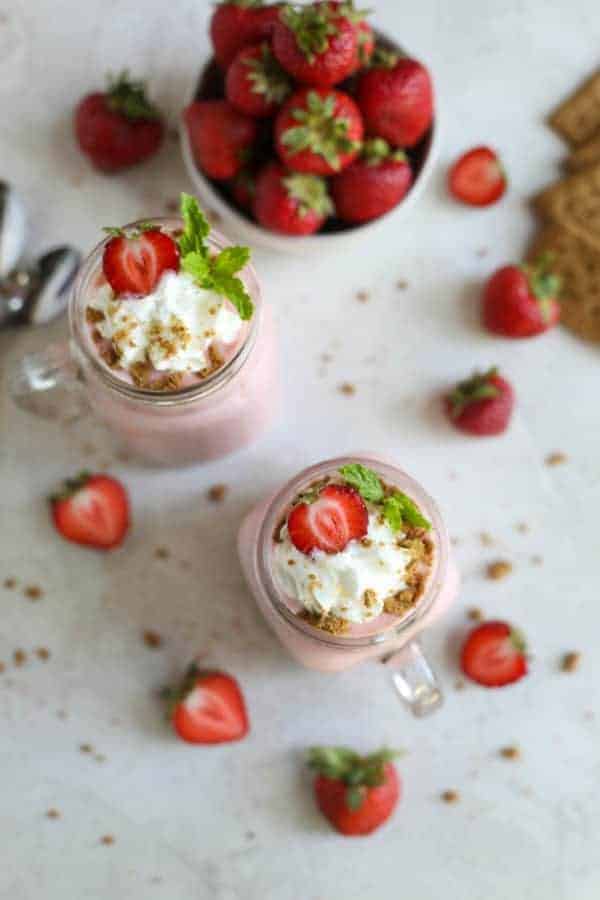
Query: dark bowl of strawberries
{"type": "Point", "coordinates": [307, 125]}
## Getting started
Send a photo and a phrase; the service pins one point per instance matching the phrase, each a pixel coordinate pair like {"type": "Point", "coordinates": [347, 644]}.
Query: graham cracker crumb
{"type": "Point", "coordinates": [366, 542]}
{"type": "Point", "coordinates": [486, 539]}
{"type": "Point", "coordinates": [162, 553]}
{"type": "Point", "coordinates": [93, 315]}
{"type": "Point", "coordinates": [152, 639]}
{"type": "Point", "coordinates": [556, 459]}
{"type": "Point", "coordinates": [400, 603]}
{"type": "Point", "coordinates": [33, 592]}
{"type": "Point", "coordinates": [348, 389]}
{"type": "Point", "coordinates": [498, 570]}
{"type": "Point", "coordinates": [107, 839]}
{"type": "Point", "coordinates": [10, 583]}
{"type": "Point", "coordinates": [52, 814]}
{"type": "Point", "coordinates": [450, 796]}
{"type": "Point", "coordinates": [570, 661]}
{"type": "Point", "coordinates": [369, 598]}
{"type": "Point", "coordinates": [327, 622]}
{"type": "Point", "coordinates": [510, 752]}
{"type": "Point", "coordinates": [42, 653]}
{"type": "Point", "coordinates": [19, 658]}
{"type": "Point", "coordinates": [86, 748]}
{"type": "Point", "coordinates": [363, 296]}
{"type": "Point", "coordinates": [475, 614]}
{"type": "Point", "coordinates": [110, 356]}
{"type": "Point", "coordinates": [401, 284]}
{"type": "Point", "coordinates": [217, 493]}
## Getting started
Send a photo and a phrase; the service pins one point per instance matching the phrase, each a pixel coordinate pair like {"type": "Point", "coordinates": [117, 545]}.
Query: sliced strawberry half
{"type": "Point", "coordinates": [335, 517]}
{"type": "Point", "coordinates": [494, 655]}
{"type": "Point", "coordinates": [92, 510]}
{"type": "Point", "coordinates": [209, 708]}
{"type": "Point", "coordinates": [134, 262]}
{"type": "Point", "coordinates": [477, 178]}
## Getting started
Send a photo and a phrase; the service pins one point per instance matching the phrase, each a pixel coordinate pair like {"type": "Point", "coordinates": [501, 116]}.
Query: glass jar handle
{"type": "Point", "coordinates": [49, 385]}
{"type": "Point", "coordinates": [414, 679]}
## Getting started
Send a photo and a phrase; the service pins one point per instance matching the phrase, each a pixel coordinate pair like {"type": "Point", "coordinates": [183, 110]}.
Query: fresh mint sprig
{"type": "Point", "coordinates": [397, 508]}
{"type": "Point", "coordinates": [214, 273]}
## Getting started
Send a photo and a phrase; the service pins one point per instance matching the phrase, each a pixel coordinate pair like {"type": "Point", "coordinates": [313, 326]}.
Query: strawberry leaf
{"type": "Point", "coordinates": [233, 288]}
{"type": "Point", "coordinates": [268, 77]}
{"type": "Point", "coordinates": [128, 97]}
{"type": "Point", "coordinates": [355, 796]}
{"type": "Point", "coordinates": [312, 26]}
{"type": "Point", "coordinates": [477, 387]}
{"type": "Point", "coordinates": [366, 481]}
{"type": "Point", "coordinates": [311, 193]}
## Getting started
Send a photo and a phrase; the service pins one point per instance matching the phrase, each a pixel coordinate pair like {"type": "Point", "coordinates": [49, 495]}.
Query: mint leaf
{"type": "Point", "coordinates": [198, 266]}
{"type": "Point", "coordinates": [196, 227]}
{"type": "Point", "coordinates": [233, 288]}
{"type": "Point", "coordinates": [366, 481]}
{"type": "Point", "coordinates": [399, 508]}
{"type": "Point", "coordinates": [231, 260]}
{"type": "Point", "coordinates": [392, 512]}
{"type": "Point", "coordinates": [411, 512]}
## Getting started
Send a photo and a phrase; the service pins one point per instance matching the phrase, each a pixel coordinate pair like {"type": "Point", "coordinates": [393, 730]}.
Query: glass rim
{"type": "Point", "coordinates": [392, 475]}
{"type": "Point", "coordinates": [208, 385]}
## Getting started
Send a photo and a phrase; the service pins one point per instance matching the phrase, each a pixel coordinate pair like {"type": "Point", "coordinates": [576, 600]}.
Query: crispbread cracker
{"type": "Point", "coordinates": [574, 203]}
{"type": "Point", "coordinates": [578, 264]}
{"type": "Point", "coordinates": [585, 155]}
{"type": "Point", "coordinates": [578, 117]}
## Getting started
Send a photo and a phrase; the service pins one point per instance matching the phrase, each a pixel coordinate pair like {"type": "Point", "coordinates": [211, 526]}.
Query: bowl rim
{"type": "Point", "coordinates": [260, 236]}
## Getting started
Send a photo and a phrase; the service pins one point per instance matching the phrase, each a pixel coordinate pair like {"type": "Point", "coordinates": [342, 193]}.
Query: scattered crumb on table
{"type": "Point", "coordinates": [450, 796]}
{"type": "Point", "coordinates": [498, 569]}
{"type": "Point", "coordinates": [459, 684]}
{"type": "Point", "coordinates": [162, 553]}
{"type": "Point", "coordinates": [19, 657]}
{"type": "Point", "coordinates": [347, 389]}
{"type": "Point", "coordinates": [86, 748]}
{"type": "Point", "coordinates": [557, 458]}
{"type": "Point", "coordinates": [475, 614]}
{"type": "Point", "coordinates": [52, 814]}
{"type": "Point", "coordinates": [152, 639]}
{"type": "Point", "coordinates": [10, 583]}
{"type": "Point", "coordinates": [536, 559]}
{"type": "Point", "coordinates": [217, 493]}
{"type": "Point", "coordinates": [42, 653]}
{"type": "Point", "coordinates": [107, 839]}
{"type": "Point", "coordinates": [33, 592]}
{"type": "Point", "coordinates": [486, 539]}
{"type": "Point", "coordinates": [510, 752]}
{"type": "Point", "coordinates": [522, 527]}
{"type": "Point", "coordinates": [401, 284]}
{"type": "Point", "coordinates": [363, 296]}
{"type": "Point", "coordinates": [570, 662]}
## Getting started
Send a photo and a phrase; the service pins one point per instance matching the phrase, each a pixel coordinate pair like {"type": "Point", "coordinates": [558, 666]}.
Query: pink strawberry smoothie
{"type": "Point", "coordinates": [177, 375]}
{"type": "Point", "coordinates": [313, 635]}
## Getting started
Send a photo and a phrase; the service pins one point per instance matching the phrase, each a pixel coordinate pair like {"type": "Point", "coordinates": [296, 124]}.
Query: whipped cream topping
{"type": "Point", "coordinates": [173, 327]}
{"type": "Point", "coordinates": [352, 585]}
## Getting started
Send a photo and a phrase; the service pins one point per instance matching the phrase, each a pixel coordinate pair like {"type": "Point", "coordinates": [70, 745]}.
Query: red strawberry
{"type": "Point", "coordinates": [482, 404]}
{"type": "Point", "coordinates": [365, 36]}
{"type": "Point", "coordinates": [208, 708]}
{"type": "Point", "coordinates": [373, 184]}
{"type": "Point", "coordinates": [316, 44]}
{"type": "Point", "coordinates": [118, 128]}
{"type": "Point", "coordinates": [522, 301]}
{"type": "Point", "coordinates": [255, 82]}
{"type": "Point", "coordinates": [477, 178]}
{"type": "Point", "coordinates": [494, 654]}
{"type": "Point", "coordinates": [396, 100]}
{"type": "Point", "coordinates": [221, 137]}
{"type": "Point", "coordinates": [134, 262]}
{"type": "Point", "coordinates": [318, 131]}
{"type": "Point", "coordinates": [356, 793]}
{"type": "Point", "coordinates": [237, 23]}
{"type": "Point", "coordinates": [243, 189]}
{"type": "Point", "coordinates": [290, 203]}
{"type": "Point", "coordinates": [91, 510]}
{"type": "Point", "coordinates": [329, 521]}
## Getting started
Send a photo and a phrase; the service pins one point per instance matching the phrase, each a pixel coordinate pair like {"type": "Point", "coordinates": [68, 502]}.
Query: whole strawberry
{"type": "Point", "coordinates": [481, 405]}
{"type": "Point", "coordinates": [255, 83]}
{"type": "Point", "coordinates": [317, 44]}
{"type": "Point", "coordinates": [396, 100]}
{"type": "Point", "coordinates": [356, 793]}
{"type": "Point", "coordinates": [373, 184]}
{"type": "Point", "coordinates": [318, 131]}
{"type": "Point", "coordinates": [522, 301]}
{"type": "Point", "coordinates": [221, 137]}
{"type": "Point", "coordinates": [237, 23]}
{"type": "Point", "coordinates": [208, 708]}
{"type": "Point", "coordinates": [494, 654]}
{"type": "Point", "coordinates": [92, 510]}
{"type": "Point", "coordinates": [290, 203]}
{"type": "Point", "coordinates": [120, 127]}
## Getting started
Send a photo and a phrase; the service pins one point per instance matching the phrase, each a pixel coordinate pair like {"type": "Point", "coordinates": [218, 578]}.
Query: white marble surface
{"type": "Point", "coordinates": [238, 821]}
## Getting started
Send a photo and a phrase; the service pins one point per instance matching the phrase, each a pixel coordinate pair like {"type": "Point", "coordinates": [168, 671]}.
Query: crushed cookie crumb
{"type": "Point", "coordinates": [107, 839]}
{"type": "Point", "coordinates": [152, 639]}
{"type": "Point", "coordinates": [510, 752]}
{"type": "Point", "coordinates": [370, 598]}
{"type": "Point", "coordinates": [486, 539]}
{"type": "Point", "coordinates": [42, 653]}
{"type": "Point", "coordinates": [498, 569]}
{"type": "Point", "coordinates": [162, 553]}
{"type": "Point", "coordinates": [109, 355]}
{"type": "Point", "coordinates": [475, 614]}
{"type": "Point", "coordinates": [52, 814]}
{"type": "Point", "coordinates": [19, 658]}
{"type": "Point", "coordinates": [217, 493]}
{"type": "Point", "coordinates": [402, 284]}
{"type": "Point", "coordinates": [348, 389]}
{"type": "Point", "coordinates": [291, 562]}
{"type": "Point", "coordinates": [10, 583]}
{"type": "Point", "coordinates": [366, 542]}
{"type": "Point", "coordinates": [86, 748]}
{"type": "Point", "coordinates": [570, 662]}
{"type": "Point", "coordinates": [93, 315]}
{"type": "Point", "coordinates": [33, 592]}
{"type": "Point", "coordinates": [326, 622]}
{"type": "Point", "coordinates": [450, 796]}
{"type": "Point", "coordinates": [363, 296]}
{"type": "Point", "coordinates": [557, 458]}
